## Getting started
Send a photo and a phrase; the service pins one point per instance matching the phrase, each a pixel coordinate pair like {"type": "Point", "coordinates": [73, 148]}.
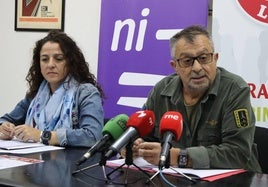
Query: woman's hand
{"type": "Point", "coordinates": [6, 131]}
{"type": "Point", "coordinates": [26, 133]}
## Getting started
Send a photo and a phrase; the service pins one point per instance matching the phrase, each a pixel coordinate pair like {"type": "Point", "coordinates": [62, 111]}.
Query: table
{"type": "Point", "coordinates": [59, 166]}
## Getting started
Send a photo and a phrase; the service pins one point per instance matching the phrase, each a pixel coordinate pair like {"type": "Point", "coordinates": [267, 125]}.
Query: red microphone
{"type": "Point", "coordinates": [143, 121]}
{"type": "Point", "coordinates": [171, 127]}
{"type": "Point", "coordinates": [139, 124]}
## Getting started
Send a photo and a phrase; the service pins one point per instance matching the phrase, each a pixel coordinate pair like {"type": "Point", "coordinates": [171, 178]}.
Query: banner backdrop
{"type": "Point", "coordinates": [134, 48]}
{"type": "Point", "coordinates": [241, 38]}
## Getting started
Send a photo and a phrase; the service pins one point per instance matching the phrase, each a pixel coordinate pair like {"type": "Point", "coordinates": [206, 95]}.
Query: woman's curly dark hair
{"type": "Point", "coordinates": [76, 64]}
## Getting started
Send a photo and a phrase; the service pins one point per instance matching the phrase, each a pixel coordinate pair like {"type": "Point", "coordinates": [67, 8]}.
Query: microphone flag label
{"type": "Point", "coordinates": [172, 121]}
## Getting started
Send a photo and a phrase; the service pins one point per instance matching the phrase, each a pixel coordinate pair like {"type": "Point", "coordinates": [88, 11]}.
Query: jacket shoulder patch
{"type": "Point", "coordinates": [241, 118]}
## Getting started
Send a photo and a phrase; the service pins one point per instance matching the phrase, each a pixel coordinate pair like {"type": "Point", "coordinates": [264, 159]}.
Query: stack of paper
{"type": "Point", "coordinates": [18, 147]}
{"type": "Point", "coordinates": [14, 144]}
{"type": "Point", "coordinates": [203, 174]}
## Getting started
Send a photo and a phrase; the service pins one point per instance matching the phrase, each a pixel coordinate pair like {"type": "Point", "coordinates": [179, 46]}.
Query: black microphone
{"type": "Point", "coordinates": [171, 126]}
{"type": "Point", "coordinates": [111, 131]}
{"type": "Point", "coordinates": [139, 124]}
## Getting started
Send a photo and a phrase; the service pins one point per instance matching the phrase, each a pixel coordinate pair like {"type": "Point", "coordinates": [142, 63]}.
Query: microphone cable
{"type": "Point", "coordinates": [165, 180]}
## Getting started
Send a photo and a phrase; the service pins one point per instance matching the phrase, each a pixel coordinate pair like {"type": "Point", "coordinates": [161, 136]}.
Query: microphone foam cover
{"type": "Point", "coordinates": [116, 126]}
{"type": "Point", "coordinates": [143, 121]}
{"type": "Point", "coordinates": [172, 121]}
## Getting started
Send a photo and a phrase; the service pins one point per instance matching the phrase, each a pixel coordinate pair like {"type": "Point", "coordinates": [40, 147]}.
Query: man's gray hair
{"type": "Point", "coordinates": [189, 34]}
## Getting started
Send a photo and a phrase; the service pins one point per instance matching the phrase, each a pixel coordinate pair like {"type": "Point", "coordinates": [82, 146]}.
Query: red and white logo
{"type": "Point", "coordinates": [258, 10]}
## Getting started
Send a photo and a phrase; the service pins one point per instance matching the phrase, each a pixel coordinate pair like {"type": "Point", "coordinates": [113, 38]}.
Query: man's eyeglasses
{"type": "Point", "coordinates": [189, 61]}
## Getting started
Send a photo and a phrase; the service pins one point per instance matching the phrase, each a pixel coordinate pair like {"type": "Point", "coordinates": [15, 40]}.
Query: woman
{"type": "Point", "coordinates": [63, 105]}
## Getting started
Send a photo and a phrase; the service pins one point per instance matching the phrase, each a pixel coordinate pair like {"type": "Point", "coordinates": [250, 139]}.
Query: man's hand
{"type": "Point", "coordinates": [135, 148]}
{"type": "Point", "coordinates": [150, 151]}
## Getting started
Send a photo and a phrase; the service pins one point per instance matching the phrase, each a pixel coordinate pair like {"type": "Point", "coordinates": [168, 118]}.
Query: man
{"type": "Point", "coordinates": [218, 120]}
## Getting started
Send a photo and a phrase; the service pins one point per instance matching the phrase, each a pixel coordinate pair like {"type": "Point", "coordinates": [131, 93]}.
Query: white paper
{"type": "Point", "coordinates": [8, 161]}
{"type": "Point", "coordinates": [16, 144]}
{"type": "Point", "coordinates": [18, 147]}
{"type": "Point", "coordinates": [201, 173]}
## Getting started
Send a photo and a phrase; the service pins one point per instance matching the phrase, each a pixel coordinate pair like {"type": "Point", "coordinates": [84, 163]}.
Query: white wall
{"type": "Point", "coordinates": [82, 19]}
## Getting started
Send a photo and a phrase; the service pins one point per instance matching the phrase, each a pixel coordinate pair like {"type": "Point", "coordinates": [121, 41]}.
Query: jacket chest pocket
{"type": "Point", "coordinates": [208, 135]}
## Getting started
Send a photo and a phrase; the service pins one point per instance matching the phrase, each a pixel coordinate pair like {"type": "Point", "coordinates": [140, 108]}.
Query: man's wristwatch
{"type": "Point", "coordinates": [45, 137]}
{"type": "Point", "coordinates": [182, 159]}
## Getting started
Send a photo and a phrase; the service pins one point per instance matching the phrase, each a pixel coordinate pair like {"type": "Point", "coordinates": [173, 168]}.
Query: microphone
{"type": "Point", "coordinates": [111, 131]}
{"type": "Point", "coordinates": [139, 124]}
{"type": "Point", "coordinates": [171, 127]}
